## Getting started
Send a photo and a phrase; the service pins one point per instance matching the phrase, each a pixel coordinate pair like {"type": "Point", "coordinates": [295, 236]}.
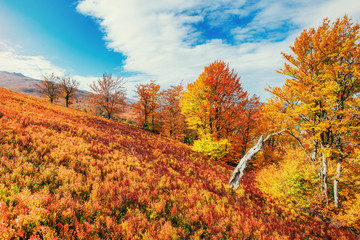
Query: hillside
{"type": "Point", "coordinates": [26, 85]}
{"type": "Point", "coordinates": [68, 174]}
{"type": "Point", "coordinates": [23, 84]}
{"type": "Point", "coordinates": [19, 83]}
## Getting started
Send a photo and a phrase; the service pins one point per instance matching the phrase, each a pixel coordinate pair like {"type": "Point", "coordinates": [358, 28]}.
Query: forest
{"type": "Point", "coordinates": [166, 173]}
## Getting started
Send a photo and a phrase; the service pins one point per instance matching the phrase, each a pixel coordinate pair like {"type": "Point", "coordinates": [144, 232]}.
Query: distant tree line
{"type": "Point", "coordinates": [214, 114]}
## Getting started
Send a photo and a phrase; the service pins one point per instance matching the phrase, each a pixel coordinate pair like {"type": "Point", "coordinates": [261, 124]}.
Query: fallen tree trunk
{"type": "Point", "coordinates": [238, 172]}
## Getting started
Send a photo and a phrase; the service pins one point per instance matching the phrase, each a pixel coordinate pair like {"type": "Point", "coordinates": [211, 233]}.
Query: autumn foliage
{"type": "Point", "coordinates": [220, 111]}
{"type": "Point", "coordinates": [108, 95]}
{"type": "Point", "coordinates": [66, 174]}
{"type": "Point", "coordinates": [170, 118]}
{"type": "Point", "coordinates": [147, 105]}
{"type": "Point", "coordinates": [319, 107]}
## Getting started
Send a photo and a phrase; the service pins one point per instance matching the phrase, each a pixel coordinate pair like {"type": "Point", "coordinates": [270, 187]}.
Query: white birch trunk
{"type": "Point", "coordinates": [323, 175]}
{"type": "Point", "coordinates": [336, 183]}
{"type": "Point", "coordinates": [238, 172]}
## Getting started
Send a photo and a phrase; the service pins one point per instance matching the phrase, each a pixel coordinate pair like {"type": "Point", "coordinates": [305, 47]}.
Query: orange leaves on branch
{"type": "Point", "coordinates": [213, 102]}
{"type": "Point", "coordinates": [148, 102]}
{"type": "Point", "coordinates": [172, 121]}
{"type": "Point", "coordinates": [319, 103]}
{"type": "Point", "coordinates": [217, 107]}
{"type": "Point", "coordinates": [108, 94]}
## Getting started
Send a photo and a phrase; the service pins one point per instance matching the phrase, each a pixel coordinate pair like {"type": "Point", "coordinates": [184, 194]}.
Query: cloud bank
{"type": "Point", "coordinates": [170, 41]}
{"type": "Point", "coordinates": [162, 39]}
{"type": "Point", "coordinates": [34, 66]}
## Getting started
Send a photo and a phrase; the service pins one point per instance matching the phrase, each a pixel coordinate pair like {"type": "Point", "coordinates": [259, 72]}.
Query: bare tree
{"type": "Point", "coordinates": [109, 94]}
{"type": "Point", "coordinates": [49, 87]}
{"type": "Point", "coordinates": [69, 87]}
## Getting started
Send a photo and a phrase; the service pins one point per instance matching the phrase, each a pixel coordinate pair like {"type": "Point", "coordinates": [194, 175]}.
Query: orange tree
{"type": "Point", "coordinates": [108, 94]}
{"type": "Point", "coordinates": [320, 100]}
{"type": "Point", "coordinates": [172, 121]}
{"type": "Point", "coordinates": [148, 102]}
{"type": "Point", "coordinates": [213, 105]}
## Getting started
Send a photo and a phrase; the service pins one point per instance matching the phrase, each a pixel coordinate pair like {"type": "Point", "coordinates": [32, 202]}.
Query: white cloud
{"type": "Point", "coordinates": [159, 42]}
{"type": "Point", "coordinates": [34, 66]}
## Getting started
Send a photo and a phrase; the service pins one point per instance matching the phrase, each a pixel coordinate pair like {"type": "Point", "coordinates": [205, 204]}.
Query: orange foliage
{"type": "Point", "coordinates": [172, 121]}
{"type": "Point", "coordinates": [66, 174]}
{"type": "Point", "coordinates": [216, 105]}
{"type": "Point", "coordinates": [147, 104]}
{"type": "Point", "coordinates": [108, 95]}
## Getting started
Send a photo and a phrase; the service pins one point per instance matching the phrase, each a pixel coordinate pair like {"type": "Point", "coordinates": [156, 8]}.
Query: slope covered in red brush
{"type": "Point", "coordinates": [66, 174]}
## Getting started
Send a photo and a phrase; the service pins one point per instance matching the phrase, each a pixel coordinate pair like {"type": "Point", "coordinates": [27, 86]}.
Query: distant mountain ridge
{"type": "Point", "coordinates": [19, 83]}
{"type": "Point", "coordinates": [27, 85]}
{"type": "Point", "coordinates": [18, 74]}
{"type": "Point", "coordinates": [24, 84]}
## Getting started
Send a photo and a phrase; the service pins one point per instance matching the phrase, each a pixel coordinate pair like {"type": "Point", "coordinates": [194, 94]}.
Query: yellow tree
{"type": "Point", "coordinates": [195, 106]}
{"type": "Point", "coordinates": [319, 100]}
{"type": "Point", "coordinates": [213, 106]}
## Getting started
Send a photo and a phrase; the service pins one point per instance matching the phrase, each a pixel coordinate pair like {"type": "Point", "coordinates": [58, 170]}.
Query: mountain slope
{"type": "Point", "coordinates": [19, 83]}
{"type": "Point", "coordinates": [23, 84]}
{"type": "Point", "coordinates": [67, 174]}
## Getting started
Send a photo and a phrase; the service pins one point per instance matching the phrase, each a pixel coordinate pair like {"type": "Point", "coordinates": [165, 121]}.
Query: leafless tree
{"type": "Point", "coordinates": [68, 86]}
{"type": "Point", "coordinates": [49, 87]}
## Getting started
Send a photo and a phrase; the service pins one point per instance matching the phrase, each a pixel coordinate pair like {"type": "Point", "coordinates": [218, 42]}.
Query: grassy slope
{"type": "Point", "coordinates": [68, 174]}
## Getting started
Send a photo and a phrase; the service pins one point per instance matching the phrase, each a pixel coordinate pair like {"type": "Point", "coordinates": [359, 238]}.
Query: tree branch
{"type": "Point", "coordinates": [238, 172]}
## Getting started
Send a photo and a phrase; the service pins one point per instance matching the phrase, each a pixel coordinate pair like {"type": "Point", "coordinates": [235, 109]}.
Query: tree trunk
{"type": "Point", "coordinates": [336, 184]}
{"type": "Point", "coordinates": [323, 177]}
{"type": "Point", "coordinates": [238, 172]}
{"type": "Point", "coordinates": [67, 101]}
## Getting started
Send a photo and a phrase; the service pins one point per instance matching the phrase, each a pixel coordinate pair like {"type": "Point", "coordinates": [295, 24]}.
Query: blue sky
{"type": "Point", "coordinates": [166, 40]}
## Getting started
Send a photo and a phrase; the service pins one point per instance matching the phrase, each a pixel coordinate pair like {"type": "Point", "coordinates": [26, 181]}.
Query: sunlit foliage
{"type": "Point", "coordinates": [171, 120]}
{"type": "Point", "coordinates": [65, 174]}
{"type": "Point", "coordinates": [216, 105]}
{"type": "Point", "coordinates": [108, 94]}
{"type": "Point", "coordinates": [148, 103]}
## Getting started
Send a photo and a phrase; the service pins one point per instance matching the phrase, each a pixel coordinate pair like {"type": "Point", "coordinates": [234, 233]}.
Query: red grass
{"type": "Point", "coordinates": [65, 174]}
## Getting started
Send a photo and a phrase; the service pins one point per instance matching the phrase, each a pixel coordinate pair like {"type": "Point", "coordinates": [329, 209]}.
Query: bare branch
{"type": "Point", "coordinates": [238, 172]}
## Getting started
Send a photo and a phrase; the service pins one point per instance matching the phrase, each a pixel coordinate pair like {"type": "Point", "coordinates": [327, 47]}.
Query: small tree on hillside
{"type": "Point", "coordinates": [172, 121]}
{"type": "Point", "coordinates": [109, 94]}
{"type": "Point", "coordinates": [148, 103]}
{"type": "Point", "coordinates": [49, 87]}
{"type": "Point", "coordinates": [69, 87]}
